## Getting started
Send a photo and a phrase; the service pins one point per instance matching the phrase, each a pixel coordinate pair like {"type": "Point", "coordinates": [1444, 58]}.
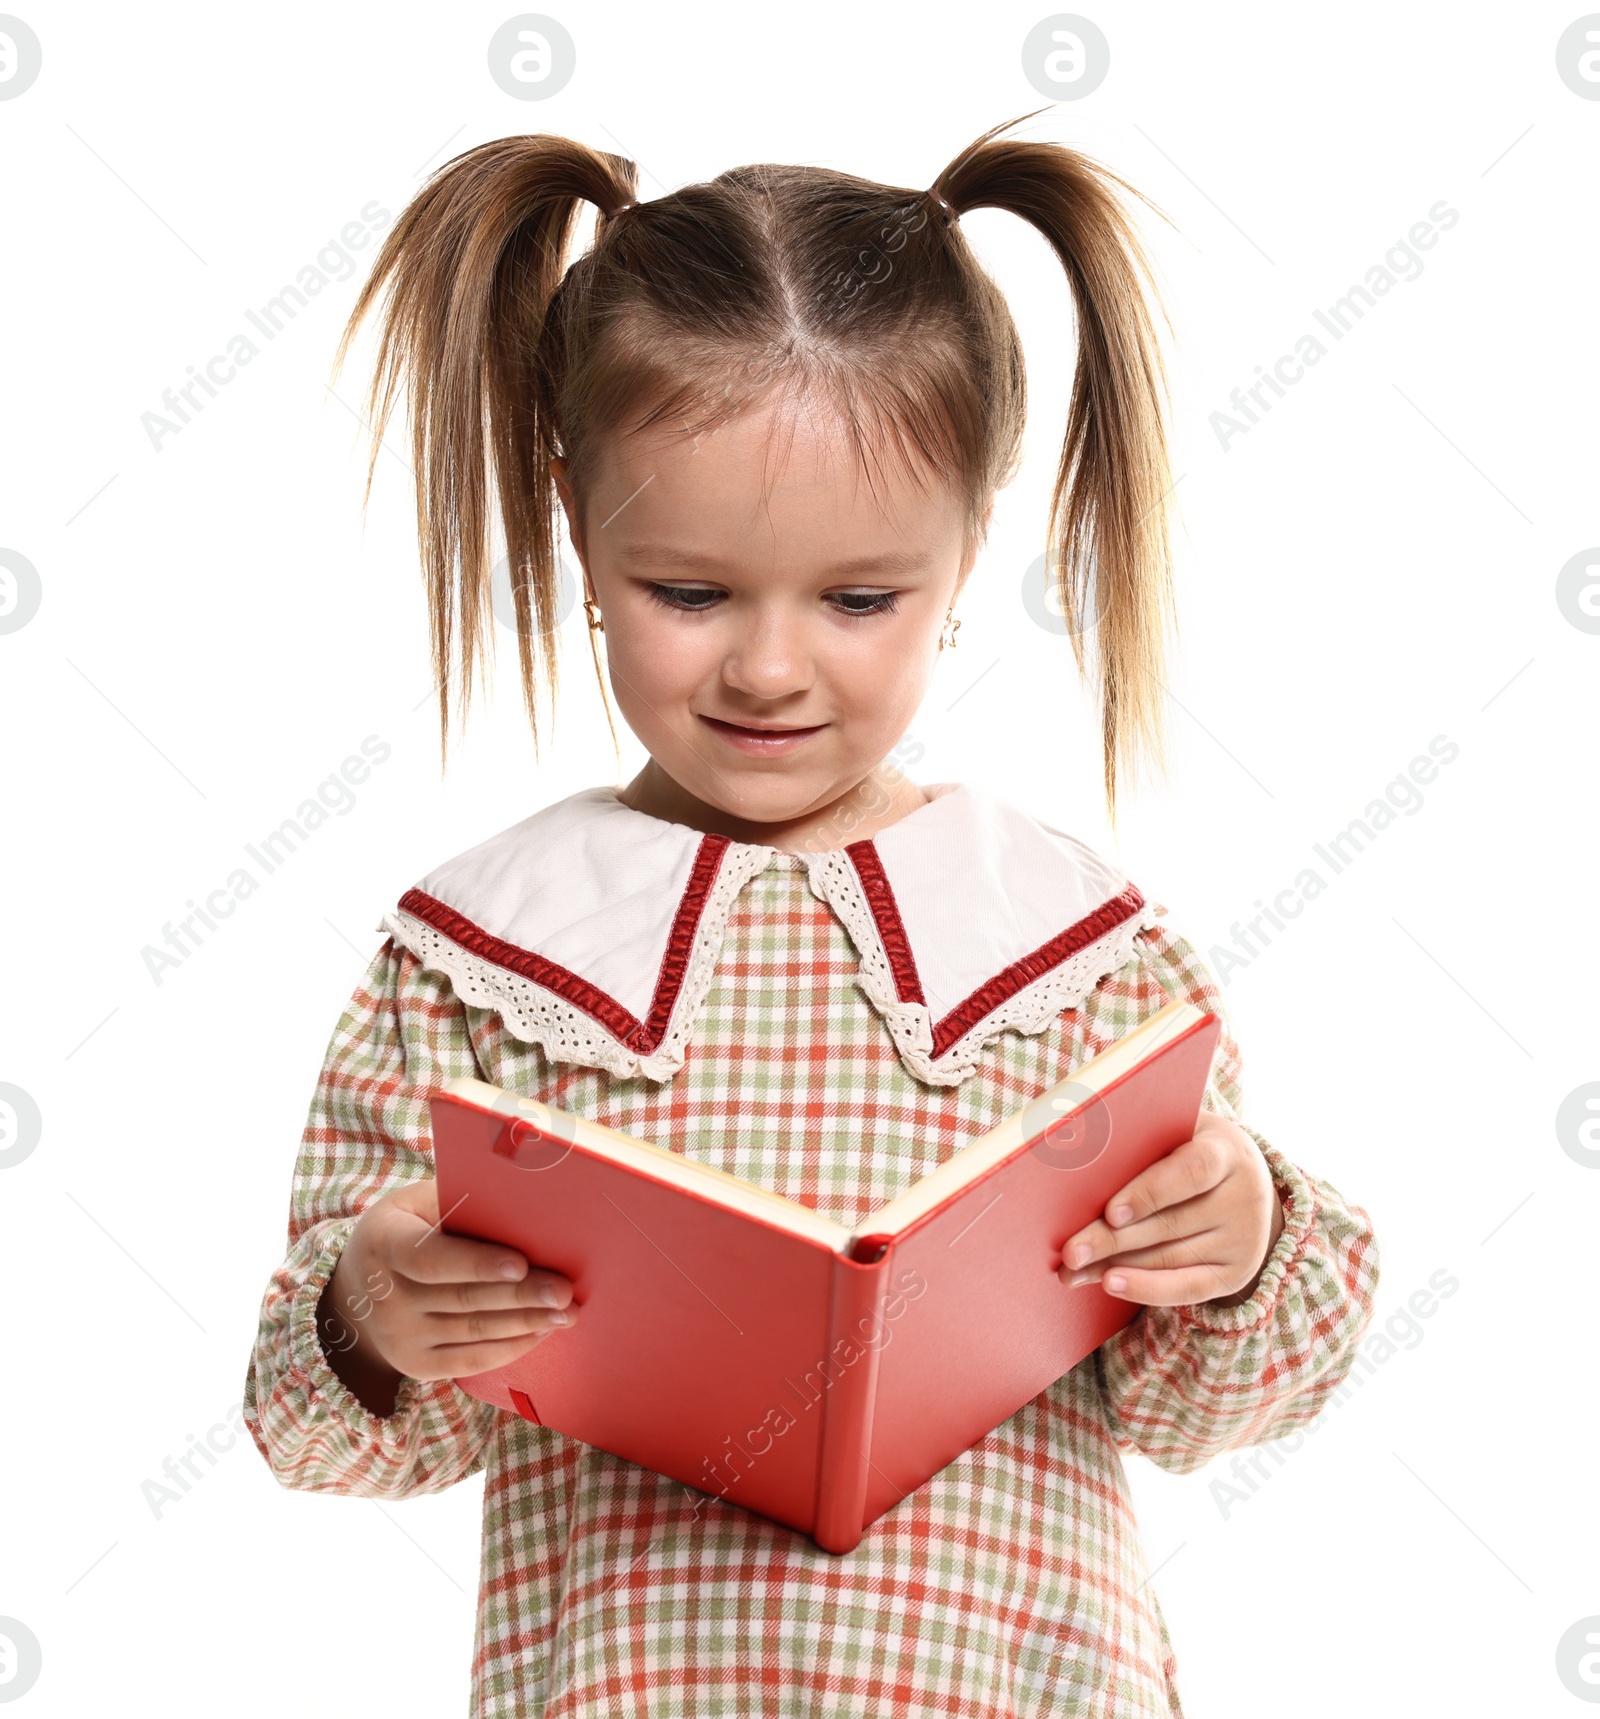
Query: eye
{"type": "Point", "coordinates": [668, 596]}
{"type": "Point", "coordinates": [872, 602]}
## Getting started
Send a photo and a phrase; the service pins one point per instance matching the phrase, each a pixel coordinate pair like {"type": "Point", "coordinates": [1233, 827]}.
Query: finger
{"type": "Point", "coordinates": [1185, 1173]}
{"type": "Point", "coordinates": [538, 1289]}
{"type": "Point", "coordinates": [1181, 1287]}
{"type": "Point", "coordinates": [426, 1254]}
{"type": "Point", "coordinates": [1201, 1248]}
{"type": "Point", "coordinates": [1213, 1276]}
{"type": "Point", "coordinates": [1098, 1240]}
{"type": "Point", "coordinates": [461, 1360]}
{"type": "Point", "coordinates": [494, 1324]}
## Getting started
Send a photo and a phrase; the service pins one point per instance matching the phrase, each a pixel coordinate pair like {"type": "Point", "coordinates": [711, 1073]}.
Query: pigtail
{"type": "Point", "coordinates": [472, 265]}
{"type": "Point", "coordinates": [1108, 528]}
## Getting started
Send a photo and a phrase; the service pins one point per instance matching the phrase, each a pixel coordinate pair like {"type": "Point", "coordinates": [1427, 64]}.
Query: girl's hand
{"type": "Point", "coordinates": [408, 1300]}
{"type": "Point", "coordinates": [1199, 1225]}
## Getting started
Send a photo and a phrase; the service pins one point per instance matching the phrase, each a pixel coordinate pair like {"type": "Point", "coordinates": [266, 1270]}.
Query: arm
{"type": "Point", "coordinates": [1184, 1383]}
{"type": "Point", "coordinates": [322, 1427]}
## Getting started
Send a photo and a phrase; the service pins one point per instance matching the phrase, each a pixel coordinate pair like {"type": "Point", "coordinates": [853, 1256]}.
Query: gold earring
{"type": "Point", "coordinates": [947, 633]}
{"type": "Point", "coordinates": [592, 610]}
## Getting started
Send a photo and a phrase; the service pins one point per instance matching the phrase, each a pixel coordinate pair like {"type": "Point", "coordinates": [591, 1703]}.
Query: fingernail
{"type": "Point", "coordinates": [1080, 1277]}
{"type": "Point", "coordinates": [560, 1317]}
{"type": "Point", "coordinates": [1121, 1214]}
{"type": "Point", "coordinates": [1080, 1253]}
{"type": "Point", "coordinates": [1116, 1283]}
{"type": "Point", "coordinates": [549, 1296]}
{"type": "Point", "coordinates": [510, 1268]}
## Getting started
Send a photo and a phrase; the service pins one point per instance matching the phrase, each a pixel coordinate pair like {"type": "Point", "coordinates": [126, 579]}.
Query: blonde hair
{"type": "Point", "coordinates": [692, 306]}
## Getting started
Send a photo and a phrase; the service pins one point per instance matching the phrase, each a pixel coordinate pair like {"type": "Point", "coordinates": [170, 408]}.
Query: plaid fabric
{"type": "Point", "coordinates": [1013, 1582]}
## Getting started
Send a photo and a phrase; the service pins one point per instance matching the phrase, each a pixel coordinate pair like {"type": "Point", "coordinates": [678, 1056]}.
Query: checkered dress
{"type": "Point", "coordinates": [1011, 1583]}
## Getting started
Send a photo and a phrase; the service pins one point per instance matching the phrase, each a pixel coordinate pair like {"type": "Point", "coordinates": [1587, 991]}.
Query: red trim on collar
{"type": "Point", "coordinates": [886, 913]}
{"type": "Point", "coordinates": [643, 1036]}
{"type": "Point", "coordinates": [1005, 984]}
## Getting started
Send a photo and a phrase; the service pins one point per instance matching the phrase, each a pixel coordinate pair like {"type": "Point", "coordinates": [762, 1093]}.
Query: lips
{"type": "Point", "coordinates": [761, 733]}
{"type": "Point", "coordinates": [761, 740]}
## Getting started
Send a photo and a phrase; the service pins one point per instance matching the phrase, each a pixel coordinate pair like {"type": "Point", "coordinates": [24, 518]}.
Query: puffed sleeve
{"type": "Point", "coordinates": [368, 1131]}
{"type": "Point", "coordinates": [1183, 1383]}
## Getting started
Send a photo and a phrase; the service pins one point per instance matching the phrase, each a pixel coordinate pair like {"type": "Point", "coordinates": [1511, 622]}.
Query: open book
{"type": "Point", "coordinates": [750, 1347]}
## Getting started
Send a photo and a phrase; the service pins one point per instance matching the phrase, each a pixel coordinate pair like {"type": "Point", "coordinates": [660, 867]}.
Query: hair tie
{"type": "Point", "coordinates": [632, 203]}
{"type": "Point", "coordinates": [950, 216]}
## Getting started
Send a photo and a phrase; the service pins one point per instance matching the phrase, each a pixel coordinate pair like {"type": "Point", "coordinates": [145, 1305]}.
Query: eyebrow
{"type": "Point", "coordinates": [889, 561]}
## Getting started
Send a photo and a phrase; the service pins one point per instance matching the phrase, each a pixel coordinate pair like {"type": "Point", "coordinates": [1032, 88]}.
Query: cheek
{"type": "Point", "coordinates": [661, 661]}
{"type": "Point", "coordinates": [884, 671]}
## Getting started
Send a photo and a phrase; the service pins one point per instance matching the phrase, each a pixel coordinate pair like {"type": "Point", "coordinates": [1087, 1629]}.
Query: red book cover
{"type": "Point", "coordinates": [752, 1348]}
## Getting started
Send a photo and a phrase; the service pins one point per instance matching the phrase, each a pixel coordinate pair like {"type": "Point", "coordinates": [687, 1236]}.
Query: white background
{"type": "Point", "coordinates": [1372, 565]}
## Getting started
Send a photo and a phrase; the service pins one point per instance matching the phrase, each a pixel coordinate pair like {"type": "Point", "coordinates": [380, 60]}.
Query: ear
{"type": "Point", "coordinates": [569, 506]}
{"type": "Point", "coordinates": [972, 554]}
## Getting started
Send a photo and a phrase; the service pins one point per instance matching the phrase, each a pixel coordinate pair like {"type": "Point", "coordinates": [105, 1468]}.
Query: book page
{"type": "Point", "coordinates": [979, 1156]}
{"type": "Point", "coordinates": [645, 1158]}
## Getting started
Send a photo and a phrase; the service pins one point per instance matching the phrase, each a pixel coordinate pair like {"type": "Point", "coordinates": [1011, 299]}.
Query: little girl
{"type": "Point", "coordinates": [775, 409]}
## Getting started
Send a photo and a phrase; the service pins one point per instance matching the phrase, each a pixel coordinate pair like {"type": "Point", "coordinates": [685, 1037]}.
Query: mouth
{"type": "Point", "coordinates": [764, 740]}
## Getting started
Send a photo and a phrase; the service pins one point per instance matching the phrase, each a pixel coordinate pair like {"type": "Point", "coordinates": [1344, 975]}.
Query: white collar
{"type": "Point", "coordinates": [594, 929]}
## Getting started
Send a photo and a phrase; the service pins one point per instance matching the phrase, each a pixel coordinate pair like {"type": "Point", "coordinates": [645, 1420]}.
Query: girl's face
{"type": "Point", "coordinates": [771, 617]}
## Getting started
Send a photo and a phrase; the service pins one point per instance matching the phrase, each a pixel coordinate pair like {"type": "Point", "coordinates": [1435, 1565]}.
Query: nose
{"type": "Point", "coordinates": [770, 655]}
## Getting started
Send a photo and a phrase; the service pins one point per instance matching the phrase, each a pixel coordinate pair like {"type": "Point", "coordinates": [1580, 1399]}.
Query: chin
{"type": "Point", "coordinates": [767, 796]}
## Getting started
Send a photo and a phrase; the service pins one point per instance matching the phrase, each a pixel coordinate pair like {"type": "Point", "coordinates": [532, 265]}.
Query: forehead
{"type": "Point", "coordinates": [781, 482]}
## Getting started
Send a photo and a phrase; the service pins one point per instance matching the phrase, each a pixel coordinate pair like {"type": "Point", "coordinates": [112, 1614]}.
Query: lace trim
{"type": "Point", "coordinates": [562, 1030]}
{"type": "Point", "coordinates": [1030, 1010]}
